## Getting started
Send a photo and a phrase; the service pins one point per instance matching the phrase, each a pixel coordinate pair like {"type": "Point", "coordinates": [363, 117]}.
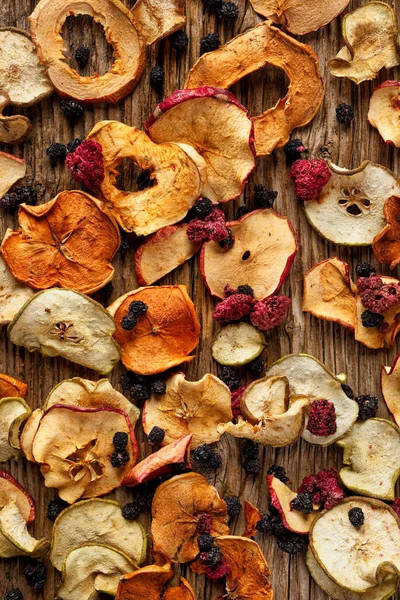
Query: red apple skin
{"type": "Point", "coordinates": [159, 236]}
{"type": "Point", "coordinates": [385, 84]}
{"type": "Point", "coordinates": [7, 155]}
{"type": "Point", "coordinates": [6, 475]}
{"type": "Point", "coordinates": [275, 502]}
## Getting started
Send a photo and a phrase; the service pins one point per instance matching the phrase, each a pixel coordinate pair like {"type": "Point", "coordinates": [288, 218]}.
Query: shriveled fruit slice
{"type": "Point", "coordinates": [163, 337]}
{"type": "Point", "coordinates": [176, 509]}
{"type": "Point", "coordinates": [65, 323]}
{"type": "Point", "coordinates": [22, 77]}
{"type": "Point", "coordinates": [15, 540]}
{"type": "Point", "coordinates": [15, 128]}
{"type": "Point", "coordinates": [249, 574]}
{"type": "Point", "coordinates": [182, 592]}
{"type": "Point", "coordinates": [155, 19]}
{"type": "Point", "coordinates": [189, 407]}
{"type": "Point", "coordinates": [92, 569]}
{"type": "Point", "coordinates": [163, 252]}
{"type": "Point", "coordinates": [386, 244]}
{"type": "Point", "coordinates": [46, 24]}
{"type": "Point", "coordinates": [218, 127]}
{"type": "Point", "coordinates": [10, 489]}
{"type": "Point", "coordinates": [372, 451]}
{"type": "Point", "coordinates": [257, 47]}
{"type": "Point", "coordinates": [96, 521]}
{"type": "Point", "coordinates": [350, 208]}
{"type": "Point", "coordinates": [264, 250]}
{"type": "Point", "coordinates": [264, 397]}
{"type": "Point", "coordinates": [68, 242]}
{"type": "Point", "coordinates": [383, 112]}
{"type": "Point", "coordinates": [13, 294]}
{"type": "Point", "coordinates": [13, 412]}
{"type": "Point", "coordinates": [300, 16]}
{"type": "Point", "coordinates": [11, 170]}
{"type": "Point", "coordinates": [28, 433]}
{"type": "Point", "coordinates": [237, 344]}
{"type": "Point", "coordinates": [252, 517]}
{"type": "Point", "coordinates": [340, 548]}
{"type": "Point", "coordinates": [11, 387]}
{"type": "Point", "coordinates": [74, 447]}
{"type": "Point", "coordinates": [371, 38]}
{"type": "Point", "coordinates": [177, 177]}
{"type": "Point", "coordinates": [390, 384]}
{"type": "Point", "coordinates": [280, 497]}
{"type": "Point", "coordinates": [146, 582]}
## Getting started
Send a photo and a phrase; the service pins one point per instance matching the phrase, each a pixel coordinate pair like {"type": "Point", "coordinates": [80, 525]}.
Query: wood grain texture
{"type": "Point", "coordinates": [332, 344]}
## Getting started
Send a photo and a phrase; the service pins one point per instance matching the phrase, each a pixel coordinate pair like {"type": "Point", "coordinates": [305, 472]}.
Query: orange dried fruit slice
{"type": "Point", "coordinates": [386, 244]}
{"type": "Point", "coordinates": [15, 128]}
{"type": "Point", "coordinates": [146, 582]}
{"type": "Point", "coordinates": [252, 516]}
{"type": "Point", "coordinates": [11, 387]}
{"type": "Point", "coordinates": [155, 19]}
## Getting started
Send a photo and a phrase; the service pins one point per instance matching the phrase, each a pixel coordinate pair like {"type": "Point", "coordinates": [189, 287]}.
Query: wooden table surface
{"type": "Point", "coordinates": [332, 344]}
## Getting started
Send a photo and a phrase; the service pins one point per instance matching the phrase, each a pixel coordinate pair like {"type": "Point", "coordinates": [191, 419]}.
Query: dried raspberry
{"type": "Point", "coordinates": [377, 296]}
{"type": "Point", "coordinates": [211, 227]}
{"type": "Point", "coordinates": [86, 164]}
{"type": "Point", "coordinates": [211, 558]}
{"type": "Point", "coordinates": [309, 177]}
{"type": "Point", "coordinates": [233, 308]}
{"type": "Point", "coordinates": [236, 397]}
{"type": "Point", "coordinates": [270, 313]}
{"type": "Point", "coordinates": [218, 571]}
{"type": "Point", "coordinates": [324, 486]}
{"type": "Point", "coordinates": [396, 506]}
{"type": "Point", "coordinates": [322, 418]}
{"type": "Point", "coordinates": [204, 523]}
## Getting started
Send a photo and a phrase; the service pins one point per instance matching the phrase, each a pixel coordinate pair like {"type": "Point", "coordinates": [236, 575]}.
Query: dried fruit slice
{"type": "Point", "coordinates": [28, 433]}
{"type": "Point", "coordinates": [339, 547]}
{"type": "Point", "coordinates": [92, 569]}
{"type": "Point", "coordinates": [237, 344]}
{"type": "Point", "coordinates": [65, 323]}
{"type": "Point", "coordinates": [96, 521]}
{"type": "Point", "coordinates": [300, 16]}
{"type": "Point", "coordinates": [177, 176]}
{"type": "Point", "coordinates": [21, 75]}
{"type": "Point", "coordinates": [390, 384]}
{"type": "Point", "coordinates": [15, 540]}
{"type": "Point", "coordinates": [386, 244]}
{"type": "Point", "coordinates": [68, 242]}
{"type": "Point", "coordinates": [164, 336]}
{"type": "Point", "coordinates": [371, 38]}
{"type": "Point", "coordinates": [155, 19]}
{"type": "Point", "coordinates": [46, 24]}
{"type": "Point", "coordinates": [182, 592]}
{"type": "Point", "coordinates": [264, 250]}
{"type": "Point", "coordinates": [350, 208]}
{"type": "Point", "coordinates": [280, 497]}
{"type": "Point", "coordinates": [146, 582]}
{"type": "Point", "coordinates": [10, 489]}
{"type": "Point", "coordinates": [218, 127]}
{"type": "Point", "coordinates": [252, 517]}
{"type": "Point", "coordinates": [15, 128]}
{"type": "Point", "coordinates": [13, 412]}
{"type": "Point", "coordinates": [257, 47]}
{"type": "Point", "coordinates": [163, 252]}
{"type": "Point", "coordinates": [74, 447]}
{"type": "Point", "coordinates": [13, 294]}
{"type": "Point", "coordinates": [189, 407]}
{"type": "Point", "coordinates": [9, 386]}
{"type": "Point", "coordinates": [177, 506]}
{"type": "Point", "coordinates": [11, 170]}
{"type": "Point", "coordinates": [383, 111]}
{"type": "Point", "coordinates": [372, 451]}
{"type": "Point", "coordinates": [265, 397]}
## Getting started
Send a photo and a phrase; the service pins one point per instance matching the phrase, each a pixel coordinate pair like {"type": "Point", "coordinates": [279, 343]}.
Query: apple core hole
{"type": "Point", "coordinates": [366, 202]}
{"type": "Point", "coordinates": [269, 83]}
{"type": "Point", "coordinates": [246, 255]}
{"type": "Point", "coordinates": [83, 30]}
{"type": "Point", "coordinates": [354, 210]}
{"type": "Point", "coordinates": [343, 201]}
{"type": "Point", "coordinates": [132, 178]}
{"type": "Point", "coordinates": [345, 192]}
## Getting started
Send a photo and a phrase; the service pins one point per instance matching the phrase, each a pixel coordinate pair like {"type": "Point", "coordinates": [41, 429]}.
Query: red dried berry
{"type": "Point", "coordinates": [309, 177]}
{"type": "Point", "coordinates": [324, 486]}
{"type": "Point", "coordinates": [322, 418]}
{"type": "Point", "coordinates": [87, 164]}
{"type": "Point", "coordinates": [396, 506]}
{"type": "Point", "coordinates": [270, 313]}
{"type": "Point", "coordinates": [233, 308]}
{"type": "Point", "coordinates": [211, 227]}
{"type": "Point", "coordinates": [236, 397]}
{"type": "Point", "coordinates": [220, 570]}
{"type": "Point", "coordinates": [377, 296]}
{"type": "Point", "coordinates": [204, 523]}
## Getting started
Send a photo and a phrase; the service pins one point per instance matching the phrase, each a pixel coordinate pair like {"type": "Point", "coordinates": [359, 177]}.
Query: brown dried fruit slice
{"type": "Point", "coordinates": [386, 244]}
{"type": "Point", "coordinates": [146, 582]}
{"type": "Point", "coordinates": [11, 170]}
{"type": "Point", "coordinates": [13, 294]}
{"type": "Point", "coordinates": [383, 112]}
{"type": "Point", "coordinates": [13, 412]}
{"type": "Point", "coordinates": [164, 336]}
{"type": "Point", "coordinates": [176, 508]}
{"type": "Point", "coordinates": [264, 250]}
{"type": "Point", "coordinates": [163, 252]}
{"type": "Point", "coordinates": [266, 396]}
{"type": "Point", "coordinates": [68, 242]}
{"type": "Point", "coordinates": [182, 592]}
{"type": "Point", "coordinates": [28, 433]}
{"type": "Point", "coordinates": [257, 47]}
{"type": "Point", "coordinates": [252, 517]}
{"type": "Point", "coordinates": [300, 16]}
{"type": "Point", "coordinates": [15, 128]}
{"type": "Point", "coordinates": [280, 497]}
{"type": "Point", "coordinates": [189, 407]}
{"type": "Point", "coordinates": [9, 386]}
{"type": "Point", "coordinates": [11, 489]}
{"type": "Point", "coordinates": [372, 43]}
{"type": "Point", "coordinates": [155, 19]}
{"type": "Point", "coordinates": [390, 385]}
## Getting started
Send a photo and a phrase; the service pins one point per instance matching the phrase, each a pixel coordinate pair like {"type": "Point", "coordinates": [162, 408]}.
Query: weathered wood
{"type": "Point", "coordinates": [331, 343]}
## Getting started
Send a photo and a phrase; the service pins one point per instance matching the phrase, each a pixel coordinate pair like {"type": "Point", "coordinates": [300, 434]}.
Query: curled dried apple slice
{"type": "Point", "coordinates": [15, 128]}
{"type": "Point", "coordinates": [189, 407]}
{"type": "Point", "coordinates": [146, 582]}
{"type": "Point", "coordinates": [178, 180]}
{"type": "Point", "coordinates": [28, 433]}
{"type": "Point", "coordinates": [340, 548]}
{"type": "Point", "coordinates": [257, 47]}
{"type": "Point", "coordinates": [164, 336]}
{"type": "Point", "coordinates": [155, 19]}
{"type": "Point", "coordinates": [372, 455]}
{"type": "Point", "coordinates": [182, 592]}
{"type": "Point", "coordinates": [264, 397]}
{"type": "Point", "coordinates": [383, 112]}
{"type": "Point", "coordinates": [386, 244]}
{"type": "Point", "coordinates": [61, 322]}
{"type": "Point", "coordinates": [11, 170]}
{"type": "Point", "coordinates": [280, 497]}
{"type": "Point", "coordinates": [372, 43]}
{"type": "Point", "coordinates": [68, 242]}
{"type": "Point", "coordinates": [15, 539]}
{"type": "Point", "coordinates": [11, 387]}
{"type": "Point", "coordinates": [13, 294]}
{"type": "Point", "coordinates": [10, 489]}
{"type": "Point", "coordinates": [218, 127]}
{"type": "Point", "coordinates": [177, 506]}
{"type": "Point", "coordinates": [163, 252]}
{"type": "Point", "coordinates": [264, 250]}
{"type": "Point", "coordinates": [13, 412]}
{"type": "Point", "coordinates": [237, 344]}
{"type": "Point", "coordinates": [390, 385]}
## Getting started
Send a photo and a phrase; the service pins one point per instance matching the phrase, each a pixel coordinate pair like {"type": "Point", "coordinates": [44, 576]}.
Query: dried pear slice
{"type": "Point", "coordinates": [15, 128]}
{"type": "Point", "coordinates": [390, 384]}
{"type": "Point", "coordinates": [280, 497]}
{"type": "Point", "coordinates": [96, 521]}
{"type": "Point", "coordinates": [372, 43]}
{"type": "Point", "coordinates": [13, 294]}
{"type": "Point", "coordinates": [12, 169]}
{"type": "Point", "coordinates": [15, 540]}
{"type": "Point", "coordinates": [372, 451]}
{"type": "Point", "coordinates": [265, 397]}
{"type": "Point", "coordinates": [383, 111]}
{"type": "Point", "coordinates": [61, 322]}
{"type": "Point", "coordinates": [155, 19]}
{"type": "Point", "coordinates": [13, 412]}
{"type": "Point", "coordinates": [10, 489]}
{"type": "Point", "coordinates": [340, 548]}
{"type": "Point", "coordinates": [386, 244]}
{"type": "Point", "coordinates": [237, 344]}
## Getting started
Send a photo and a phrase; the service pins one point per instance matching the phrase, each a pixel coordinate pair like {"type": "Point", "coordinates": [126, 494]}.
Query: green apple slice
{"type": "Point", "coordinates": [311, 379]}
{"type": "Point", "coordinates": [357, 558]}
{"type": "Point", "coordinates": [13, 412]}
{"type": "Point", "coordinates": [15, 540]}
{"type": "Point", "coordinates": [93, 569]}
{"type": "Point", "coordinates": [265, 397]}
{"type": "Point", "coordinates": [372, 451]}
{"type": "Point", "coordinates": [10, 489]}
{"type": "Point", "coordinates": [62, 322]}
{"type": "Point", "coordinates": [96, 521]}
{"type": "Point", "coordinates": [237, 344]}
{"type": "Point", "coordinates": [390, 384]}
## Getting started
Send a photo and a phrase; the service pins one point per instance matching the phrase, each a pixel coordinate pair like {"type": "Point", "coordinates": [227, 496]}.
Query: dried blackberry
{"type": "Point", "coordinates": [264, 524]}
{"type": "Point", "coordinates": [356, 517]}
{"type": "Point", "coordinates": [156, 436]}
{"type": "Point", "coordinates": [209, 42]}
{"type": "Point", "coordinates": [293, 151]}
{"type": "Point", "coordinates": [179, 40]}
{"type": "Point", "coordinates": [264, 196]}
{"type": "Point", "coordinates": [14, 594]}
{"type": "Point", "coordinates": [82, 55]}
{"type": "Point", "coordinates": [144, 181]}
{"type": "Point", "coordinates": [119, 458]}
{"type": "Point", "coordinates": [138, 308]}
{"type": "Point", "coordinates": [228, 11]}
{"type": "Point", "coordinates": [247, 290]}
{"type": "Point", "coordinates": [35, 574]}
{"type": "Point", "coordinates": [228, 242]}
{"type": "Point", "coordinates": [249, 450]}
{"type": "Point", "coordinates": [120, 440]}
{"type": "Point", "coordinates": [128, 321]}
{"type": "Point", "coordinates": [257, 366]}
{"type": "Point", "coordinates": [157, 78]}
{"type": "Point", "coordinates": [72, 109]}
{"type": "Point", "coordinates": [124, 247]}
{"type": "Point", "coordinates": [206, 457]}
{"type": "Point", "coordinates": [127, 380]}
{"type": "Point", "coordinates": [19, 195]}
{"type": "Point", "coordinates": [368, 407]}
{"type": "Point", "coordinates": [278, 472]}
{"type": "Point", "coordinates": [73, 145]}
{"type": "Point", "coordinates": [348, 391]}
{"type": "Point", "coordinates": [233, 504]}
{"type": "Point", "coordinates": [370, 319]}
{"type": "Point", "coordinates": [230, 377]}
{"type": "Point", "coordinates": [54, 508]}
{"type": "Point", "coordinates": [345, 113]}
{"type": "Point", "coordinates": [179, 467]}
{"type": "Point", "coordinates": [303, 503]}
{"type": "Point", "coordinates": [205, 542]}
{"type": "Point", "coordinates": [252, 466]}
{"type": "Point", "coordinates": [241, 211]}
{"type": "Point", "coordinates": [140, 392]}
{"type": "Point", "coordinates": [277, 526]}
{"type": "Point", "coordinates": [364, 269]}
{"type": "Point", "coordinates": [212, 4]}
{"type": "Point", "coordinates": [56, 152]}
{"type": "Point", "coordinates": [158, 387]}
{"type": "Point", "coordinates": [215, 461]}
{"type": "Point", "coordinates": [202, 208]}
{"type": "Point", "coordinates": [131, 511]}
{"type": "Point", "coordinates": [212, 557]}
{"type": "Point", "coordinates": [292, 543]}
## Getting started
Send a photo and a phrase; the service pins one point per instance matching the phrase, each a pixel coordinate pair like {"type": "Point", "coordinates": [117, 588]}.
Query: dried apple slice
{"type": "Point", "coordinates": [12, 169]}
{"type": "Point", "coordinates": [15, 540]}
{"type": "Point", "coordinates": [390, 385]}
{"type": "Point", "coordinates": [252, 517]}
{"type": "Point", "coordinates": [155, 19]}
{"type": "Point", "coordinates": [257, 47]}
{"type": "Point", "coordinates": [146, 582]}
{"type": "Point", "coordinates": [372, 453]}
{"type": "Point", "coordinates": [340, 548]}
{"type": "Point", "coordinates": [218, 127]}
{"type": "Point", "coordinates": [10, 489]}
{"type": "Point", "coordinates": [177, 506]}
{"type": "Point", "coordinates": [383, 112]}
{"type": "Point", "coordinates": [11, 387]}
{"type": "Point", "coordinates": [96, 521]}
{"type": "Point", "coordinates": [300, 16]}
{"type": "Point", "coordinates": [350, 208]}
{"type": "Point", "coordinates": [68, 242]}
{"type": "Point", "coordinates": [280, 497]}
{"type": "Point", "coordinates": [264, 397]}
{"type": "Point", "coordinates": [163, 252]}
{"type": "Point", "coordinates": [237, 344]}
{"type": "Point", "coordinates": [386, 244]}
{"type": "Point", "coordinates": [164, 336]}
{"type": "Point", "coordinates": [182, 592]}
{"type": "Point", "coordinates": [61, 322]}
{"type": "Point", "coordinates": [13, 294]}
{"type": "Point", "coordinates": [372, 43]}
{"type": "Point", "coordinates": [264, 250]}
{"type": "Point", "coordinates": [178, 180]}
{"type": "Point", "coordinates": [28, 433]}
{"type": "Point", "coordinates": [13, 412]}
{"type": "Point", "coordinates": [15, 128]}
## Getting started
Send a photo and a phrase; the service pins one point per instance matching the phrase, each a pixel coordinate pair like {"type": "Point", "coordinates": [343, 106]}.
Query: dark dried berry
{"type": "Point", "coordinates": [241, 211]}
{"type": "Point", "coordinates": [264, 525]}
{"type": "Point", "coordinates": [212, 557]}
{"type": "Point", "coordinates": [292, 543]}
{"type": "Point", "coordinates": [209, 42]}
{"type": "Point", "coordinates": [247, 290]}
{"type": "Point", "coordinates": [356, 517]}
{"type": "Point", "coordinates": [293, 151]}
{"type": "Point", "coordinates": [370, 319]}
{"type": "Point", "coordinates": [228, 242]}
{"type": "Point", "coordinates": [129, 321]}
{"type": "Point", "coordinates": [72, 109]}
{"type": "Point", "coordinates": [271, 524]}
{"type": "Point", "coordinates": [144, 181]}
{"type": "Point", "coordinates": [54, 508]}
{"type": "Point", "coordinates": [35, 575]}
{"type": "Point", "coordinates": [264, 196]}
{"type": "Point", "coordinates": [202, 208]}
{"type": "Point", "coordinates": [230, 377]}
{"type": "Point", "coordinates": [205, 542]}
{"type": "Point", "coordinates": [179, 467]}
{"type": "Point", "coordinates": [364, 269]}
{"type": "Point", "coordinates": [14, 594]}
{"type": "Point", "coordinates": [212, 4]}
{"type": "Point", "coordinates": [215, 461]}
{"type": "Point", "coordinates": [124, 247]}
{"type": "Point", "coordinates": [278, 527]}
{"type": "Point", "coordinates": [82, 55]}
{"type": "Point", "coordinates": [139, 392]}
{"type": "Point", "coordinates": [119, 458]}
{"type": "Point", "coordinates": [138, 308]}
{"type": "Point", "coordinates": [368, 407]}
{"type": "Point", "coordinates": [73, 145]}
{"type": "Point", "coordinates": [303, 503]}
{"type": "Point", "coordinates": [156, 436]}
{"type": "Point", "coordinates": [179, 40]}
{"type": "Point", "coordinates": [257, 366]}
{"type": "Point", "coordinates": [25, 194]}
{"type": "Point", "coordinates": [56, 152]}
{"type": "Point", "coordinates": [127, 380]}
{"type": "Point", "coordinates": [202, 454]}
{"type": "Point", "coordinates": [278, 472]}
{"type": "Point", "coordinates": [249, 449]}
{"type": "Point", "coordinates": [348, 391]}
{"type": "Point", "coordinates": [157, 78]}
{"type": "Point", "coordinates": [120, 440]}
{"type": "Point", "coordinates": [345, 113]}
{"type": "Point", "coordinates": [158, 387]}
{"type": "Point", "coordinates": [233, 504]}
{"type": "Point", "coordinates": [228, 11]}
{"type": "Point", "coordinates": [204, 523]}
{"type": "Point", "coordinates": [252, 466]}
{"type": "Point", "coordinates": [131, 511]}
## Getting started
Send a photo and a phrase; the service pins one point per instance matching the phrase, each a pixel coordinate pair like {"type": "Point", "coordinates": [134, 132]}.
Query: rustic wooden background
{"type": "Point", "coordinates": [332, 344]}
